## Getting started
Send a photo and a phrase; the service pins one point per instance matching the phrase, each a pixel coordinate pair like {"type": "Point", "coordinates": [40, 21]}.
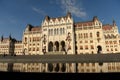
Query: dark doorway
{"type": "Point", "coordinates": [50, 67]}
{"type": "Point", "coordinates": [50, 46]}
{"type": "Point", "coordinates": [57, 46]}
{"type": "Point", "coordinates": [63, 67]}
{"type": "Point", "coordinates": [57, 67]}
{"type": "Point", "coordinates": [99, 49]}
{"type": "Point", "coordinates": [63, 45]}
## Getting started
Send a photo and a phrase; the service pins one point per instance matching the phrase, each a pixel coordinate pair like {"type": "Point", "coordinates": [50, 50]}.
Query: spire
{"type": "Point", "coordinates": [114, 23]}
{"type": "Point", "coordinates": [10, 37]}
{"type": "Point", "coordinates": [47, 18]}
{"type": "Point", "coordinates": [1, 37]}
{"type": "Point", "coordinates": [95, 18]}
{"type": "Point", "coordinates": [69, 14]}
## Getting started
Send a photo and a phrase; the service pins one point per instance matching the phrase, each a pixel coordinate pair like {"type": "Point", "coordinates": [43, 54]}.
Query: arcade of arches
{"type": "Point", "coordinates": [56, 46]}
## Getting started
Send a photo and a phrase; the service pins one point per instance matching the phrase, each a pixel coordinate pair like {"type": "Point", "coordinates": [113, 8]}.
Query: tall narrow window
{"type": "Point", "coordinates": [86, 46]}
{"type": "Point", "coordinates": [98, 34]}
{"type": "Point", "coordinates": [51, 31]}
{"type": "Point", "coordinates": [63, 31]}
{"type": "Point", "coordinates": [30, 39]}
{"type": "Point", "coordinates": [92, 47]}
{"type": "Point", "coordinates": [81, 35]}
{"type": "Point", "coordinates": [84, 35]}
{"type": "Point", "coordinates": [25, 39]}
{"type": "Point", "coordinates": [60, 30]}
{"type": "Point", "coordinates": [54, 31]}
{"type": "Point", "coordinates": [57, 31]}
{"type": "Point", "coordinates": [90, 35]}
{"type": "Point", "coordinates": [81, 47]}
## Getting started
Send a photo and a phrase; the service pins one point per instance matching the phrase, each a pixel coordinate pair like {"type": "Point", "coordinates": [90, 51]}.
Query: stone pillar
{"type": "Point", "coordinates": [54, 65]}
{"type": "Point", "coordinates": [60, 66]}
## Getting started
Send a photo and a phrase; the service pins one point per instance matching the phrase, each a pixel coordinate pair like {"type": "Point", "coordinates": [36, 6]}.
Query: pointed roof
{"type": "Point", "coordinates": [114, 23]}
{"type": "Point", "coordinates": [95, 18]}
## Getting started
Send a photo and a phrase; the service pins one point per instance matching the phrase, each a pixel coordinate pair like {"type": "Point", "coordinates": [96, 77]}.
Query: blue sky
{"type": "Point", "coordinates": [16, 14]}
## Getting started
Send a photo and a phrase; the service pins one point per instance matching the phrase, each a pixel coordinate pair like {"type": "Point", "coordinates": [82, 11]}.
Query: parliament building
{"type": "Point", "coordinates": [61, 35]}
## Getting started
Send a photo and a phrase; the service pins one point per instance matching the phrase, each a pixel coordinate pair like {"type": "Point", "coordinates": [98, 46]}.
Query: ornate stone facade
{"type": "Point", "coordinates": [61, 35]}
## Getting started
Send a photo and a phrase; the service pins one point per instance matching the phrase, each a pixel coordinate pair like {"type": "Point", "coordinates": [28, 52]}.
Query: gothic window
{"type": "Point", "coordinates": [54, 31]}
{"type": "Point", "coordinates": [30, 39]}
{"type": "Point", "coordinates": [90, 35]}
{"type": "Point", "coordinates": [115, 42]}
{"type": "Point", "coordinates": [57, 31]}
{"type": "Point", "coordinates": [86, 41]}
{"type": "Point", "coordinates": [110, 42]}
{"type": "Point", "coordinates": [81, 35]}
{"type": "Point", "coordinates": [98, 34]}
{"type": "Point", "coordinates": [51, 31]}
{"type": "Point", "coordinates": [86, 46]}
{"type": "Point", "coordinates": [92, 47]}
{"type": "Point", "coordinates": [25, 39]}
{"type": "Point", "coordinates": [91, 41]}
{"type": "Point", "coordinates": [84, 35]}
{"type": "Point", "coordinates": [33, 49]}
{"type": "Point", "coordinates": [63, 31]}
{"type": "Point", "coordinates": [37, 49]}
{"type": "Point", "coordinates": [115, 49]}
{"type": "Point", "coordinates": [60, 30]}
{"type": "Point", "coordinates": [80, 41]}
{"type": "Point", "coordinates": [29, 49]}
{"type": "Point", "coordinates": [81, 47]}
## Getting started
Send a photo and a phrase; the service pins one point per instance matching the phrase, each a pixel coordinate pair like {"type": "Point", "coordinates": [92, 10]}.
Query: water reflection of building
{"type": "Point", "coordinates": [61, 35]}
{"type": "Point", "coordinates": [3, 66]}
{"type": "Point", "coordinates": [41, 67]}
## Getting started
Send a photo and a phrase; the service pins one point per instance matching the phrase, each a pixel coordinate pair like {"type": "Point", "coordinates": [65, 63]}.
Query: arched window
{"type": "Point", "coordinates": [98, 34]}
{"type": "Point", "coordinates": [99, 49]}
{"type": "Point", "coordinates": [60, 30]}
{"type": "Point", "coordinates": [86, 46]}
{"type": "Point", "coordinates": [90, 35]}
{"type": "Point", "coordinates": [54, 31]}
{"type": "Point", "coordinates": [81, 47]}
{"type": "Point", "coordinates": [25, 39]}
{"type": "Point", "coordinates": [57, 31]}
{"type": "Point", "coordinates": [84, 35]}
{"type": "Point", "coordinates": [30, 39]}
{"type": "Point", "coordinates": [92, 47]}
{"type": "Point", "coordinates": [63, 31]}
{"type": "Point", "coordinates": [81, 35]}
{"type": "Point", "coordinates": [51, 31]}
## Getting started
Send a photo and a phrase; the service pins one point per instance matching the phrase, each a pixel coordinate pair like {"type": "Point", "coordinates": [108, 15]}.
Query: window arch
{"type": "Point", "coordinates": [25, 39]}
{"type": "Point", "coordinates": [84, 35]}
{"type": "Point", "coordinates": [63, 31]}
{"type": "Point", "coordinates": [90, 35]}
{"type": "Point", "coordinates": [55, 31]}
{"type": "Point", "coordinates": [60, 30]}
{"type": "Point", "coordinates": [51, 31]}
{"type": "Point", "coordinates": [81, 35]}
{"type": "Point", "coordinates": [98, 34]}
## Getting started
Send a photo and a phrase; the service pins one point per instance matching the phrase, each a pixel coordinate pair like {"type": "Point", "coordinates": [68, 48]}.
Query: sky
{"type": "Point", "coordinates": [16, 14]}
